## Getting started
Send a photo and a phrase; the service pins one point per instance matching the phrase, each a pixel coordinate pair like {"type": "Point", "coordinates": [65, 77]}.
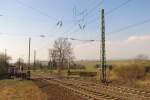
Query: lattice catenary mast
{"type": "Point", "coordinates": [103, 49]}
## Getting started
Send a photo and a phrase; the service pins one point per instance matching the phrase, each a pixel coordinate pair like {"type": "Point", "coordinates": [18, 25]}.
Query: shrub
{"type": "Point", "coordinates": [3, 68]}
{"type": "Point", "coordinates": [129, 72]}
{"type": "Point", "coordinates": [4, 64]}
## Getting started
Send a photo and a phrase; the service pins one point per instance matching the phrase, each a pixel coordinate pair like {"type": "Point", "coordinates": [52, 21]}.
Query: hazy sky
{"type": "Point", "coordinates": [31, 18]}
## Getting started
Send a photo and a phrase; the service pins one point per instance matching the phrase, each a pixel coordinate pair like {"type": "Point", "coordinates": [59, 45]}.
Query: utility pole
{"type": "Point", "coordinates": [68, 65]}
{"type": "Point", "coordinates": [103, 50]}
{"type": "Point", "coordinates": [5, 55]}
{"type": "Point", "coordinates": [19, 62]}
{"type": "Point", "coordinates": [28, 72]}
{"type": "Point", "coordinates": [34, 59]}
{"type": "Point", "coordinates": [29, 53]}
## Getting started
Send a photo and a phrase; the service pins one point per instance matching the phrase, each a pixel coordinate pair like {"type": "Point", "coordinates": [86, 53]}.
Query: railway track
{"type": "Point", "coordinates": [121, 92]}
{"type": "Point", "coordinates": [129, 92]}
{"type": "Point", "coordinates": [85, 93]}
{"type": "Point", "coordinates": [94, 91]}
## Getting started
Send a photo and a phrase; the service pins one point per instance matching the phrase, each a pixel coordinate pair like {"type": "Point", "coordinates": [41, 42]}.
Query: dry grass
{"type": "Point", "coordinates": [129, 73]}
{"type": "Point", "coordinates": [20, 90]}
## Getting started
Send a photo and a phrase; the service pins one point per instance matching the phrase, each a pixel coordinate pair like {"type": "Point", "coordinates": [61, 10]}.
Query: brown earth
{"type": "Point", "coordinates": [56, 92]}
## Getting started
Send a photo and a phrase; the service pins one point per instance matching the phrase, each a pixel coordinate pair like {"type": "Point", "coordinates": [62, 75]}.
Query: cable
{"type": "Point", "coordinates": [100, 3]}
{"type": "Point", "coordinates": [87, 14]}
{"type": "Point", "coordinates": [37, 10]}
{"type": "Point", "coordinates": [113, 32]}
{"type": "Point", "coordinates": [118, 7]}
{"type": "Point", "coordinates": [41, 12]}
{"type": "Point", "coordinates": [124, 28]}
{"type": "Point", "coordinates": [131, 26]}
{"type": "Point", "coordinates": [111, 11]}
{"type": "Point", "coordinates": [119, 30]}
{"type": "Point", "coordinates": [91, 10]}
{"type": "Point", "coordinates": [127, 27]}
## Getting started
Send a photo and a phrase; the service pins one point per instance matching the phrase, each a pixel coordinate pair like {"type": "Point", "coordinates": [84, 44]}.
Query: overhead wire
{"type": "Point", "coordinates": [59, 23]}
{"type": "Point", "coordinates": [42, 12]}
{"type": "Point", "coordinates": [37, 10]}
{"type": "Point", "coordinates": [124, 28]}
{"type": "Point", "coordinates": [113, 10]}
{"type": "Point", "coordinates": [113, 32]}
{"type": "Point", "coordinates": [118, 7]}
{"type": "Point", "coordinates": [131, 26]}
{"type": "Point", "coordinates": [109, 12]}
{"type": "Point", "coordinates": [127, 27]}
{"type": "Point", "coordinates": [90, 11]}
{"type": "Point", "coordinates": [95, 7]}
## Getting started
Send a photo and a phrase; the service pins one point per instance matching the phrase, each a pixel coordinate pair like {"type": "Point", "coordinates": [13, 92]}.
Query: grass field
{"type": "Point", "coordinates": [90, 65]}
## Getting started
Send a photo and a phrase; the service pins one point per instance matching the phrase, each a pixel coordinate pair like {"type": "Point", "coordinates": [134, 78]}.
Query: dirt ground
{"type": "Point", "coordinates": [55, 92]}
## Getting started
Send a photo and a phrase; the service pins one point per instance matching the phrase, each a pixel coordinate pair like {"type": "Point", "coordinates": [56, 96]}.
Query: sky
{"type": "Point", "coordinates": [21, 19]}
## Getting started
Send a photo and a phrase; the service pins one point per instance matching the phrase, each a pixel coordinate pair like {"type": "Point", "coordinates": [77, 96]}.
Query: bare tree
{"type": "Point", "coordinates": [52, 56]}
{"type": "Point", "coordinates": [61, 52]}
{"type": "Point", "coordinates": [20, 63]}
